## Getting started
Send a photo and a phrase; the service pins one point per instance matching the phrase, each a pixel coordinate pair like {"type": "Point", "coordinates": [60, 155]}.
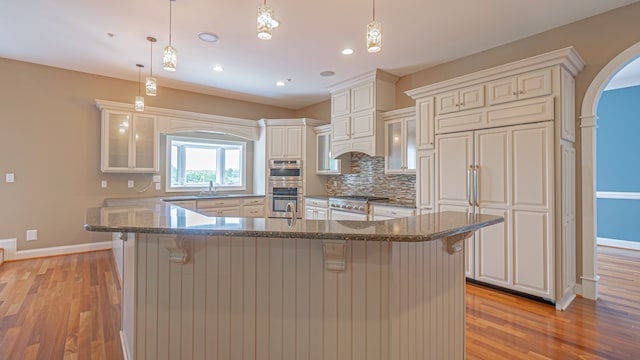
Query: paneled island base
{"type": "Point", "coordinates": [229, 297]}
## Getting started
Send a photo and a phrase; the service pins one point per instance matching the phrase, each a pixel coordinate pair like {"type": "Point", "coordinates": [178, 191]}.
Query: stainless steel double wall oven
{"type": "Point", "coordinates": [285, 186]}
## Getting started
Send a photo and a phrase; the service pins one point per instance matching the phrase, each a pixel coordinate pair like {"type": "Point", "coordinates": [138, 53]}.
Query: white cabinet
{"type": "Point", "coordinates": [355, 105]}
{"type": "Point", "coordinates": [316, 209]}
{"type": "Point", "coordinates": [460, 99]}
{"type": "Point", "coordinates": [187, 204]}
{"type": "Point", "coordinates": [425, 123]}
{"type": "Point", "coordinates": [253, 208]}
{"type": "Point", "coordinates": [284, 142]}
{"type": "Point", "coordinates": [400, 141]}
{"type": "Point", "coordinates": [325, 163]}
{"type": "Point", "coordinates": [506, 172]}
{"type": "Point", "coordinates": [425, 180]}
{"type": "Point", "coordinates": [388, 212]}
{"type": "Point", "coordinates": [220, 207]}
{"type": "Point", "coordinates": [129, 142]}
{"type": "Point", "coordinates": [524, 86]}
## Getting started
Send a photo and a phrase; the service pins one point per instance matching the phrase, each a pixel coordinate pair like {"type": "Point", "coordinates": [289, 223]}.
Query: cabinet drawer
{"type": "Point", "coordinates": [392, 212]}
{"type": "Point", "coordinates": [217, 203]}
{"type": "Point", "coordinates": [191, 204]}
{"type": "Point", "coordinates": [253, 201]}
{"type": "Point", "coordinates": [317, 203]}
{"type": "Point", "coordinates": [253, 211]}
{"type": "Point", "coordinates": [459, 121]}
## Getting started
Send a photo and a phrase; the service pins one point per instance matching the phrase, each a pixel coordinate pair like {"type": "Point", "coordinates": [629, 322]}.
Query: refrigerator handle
{"type": "Point", "coordinates": [469, 184]}
{"type": "Point", "coordinates": [475, 185]}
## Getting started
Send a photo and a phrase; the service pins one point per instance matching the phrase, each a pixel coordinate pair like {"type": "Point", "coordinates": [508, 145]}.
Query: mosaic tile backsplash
{"type": "Point", "coordinates": [368, 178]}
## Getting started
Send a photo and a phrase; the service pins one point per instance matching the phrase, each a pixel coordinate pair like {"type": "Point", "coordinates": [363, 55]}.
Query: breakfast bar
{"type": "Point", "coordinates": [202, 287]}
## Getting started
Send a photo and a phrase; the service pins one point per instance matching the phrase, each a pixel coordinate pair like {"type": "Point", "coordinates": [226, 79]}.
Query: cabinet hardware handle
{"type": "Point", "coordinates": [475, 184]}
{"type": "Point", "coordinates": [514, 93]}
{"type": "Point", "coordinates": [521, 91]}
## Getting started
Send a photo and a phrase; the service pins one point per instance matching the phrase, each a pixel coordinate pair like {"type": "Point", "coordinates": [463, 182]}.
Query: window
{"type": "Point", "coordinates": [195, 162]}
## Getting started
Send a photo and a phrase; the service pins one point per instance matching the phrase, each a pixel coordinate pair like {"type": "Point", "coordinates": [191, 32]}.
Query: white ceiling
{"type": "Point", "coordinates": [627, 76]}
{"type": "Point", "coordinates": [417, 34]}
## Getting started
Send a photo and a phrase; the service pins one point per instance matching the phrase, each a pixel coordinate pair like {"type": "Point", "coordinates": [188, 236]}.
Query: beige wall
{"type": "Point", "coordinates": [50, 139]}
{"type": "Point", "coordinates": [319, 111]}
{"type": "Point", "coordinates": [597, 39]}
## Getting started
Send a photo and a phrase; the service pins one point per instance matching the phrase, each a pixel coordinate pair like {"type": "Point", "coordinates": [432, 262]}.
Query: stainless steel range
{"type": "Point", "coordinates": [351, 207]}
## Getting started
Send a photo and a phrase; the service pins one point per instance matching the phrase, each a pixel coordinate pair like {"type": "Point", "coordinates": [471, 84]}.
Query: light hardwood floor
{"type": "Point", "coordinates": [68, 307]}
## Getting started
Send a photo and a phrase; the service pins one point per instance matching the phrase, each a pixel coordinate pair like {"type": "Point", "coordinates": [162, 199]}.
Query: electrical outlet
{"type": "Point", "coordinates": [158, 186]}
{"type": "Point", "coordinates": [130, 184]}
{"type": "Point", "coordinates": [9, 177]}
{"type": "Point", "coordinates": [157, 178]}
{"type": "Point", "coordinates": [103, 184]}
{"type": "Point", "coordinates": [32, 235]}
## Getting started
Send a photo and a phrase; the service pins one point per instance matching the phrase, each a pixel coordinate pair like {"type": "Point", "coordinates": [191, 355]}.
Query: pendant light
{"type": "Point", "coordinates": [374, 33]}
{"type": "Point", "coordinates": [170, 59]}
{"type": "Point", "coordinates": [138, 105]}
{"type": "Point", "coordinates": [266, 22]}
{"type": "Point", "coordinates": [151, 85]}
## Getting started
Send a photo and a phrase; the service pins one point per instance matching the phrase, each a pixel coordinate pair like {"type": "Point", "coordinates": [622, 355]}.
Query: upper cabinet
{"type": "Point", "coordinates": [400, 141]}
{"type": "Point", "coordinates": [425, 134]}
{"type": "Point", "coordinates": [129, 142]}
{"type": "Point", "coordinates": [325, 163]}
{"type": "Point", "coordinates": [470, 97]}
{"type": "Point", "coordinates": [524, 86]}
{"type": "Point", "coordinates": [284, 142]}
{"type": "Point", "coordinates": [355, 113]}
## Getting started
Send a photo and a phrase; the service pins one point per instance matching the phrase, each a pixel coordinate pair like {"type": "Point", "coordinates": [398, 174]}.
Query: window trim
{"type": "Point", "coordinates": [204, 140]}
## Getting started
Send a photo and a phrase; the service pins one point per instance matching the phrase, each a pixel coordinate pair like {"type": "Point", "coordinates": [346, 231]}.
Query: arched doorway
{"type": "Point", "coordinates": [588, 125]}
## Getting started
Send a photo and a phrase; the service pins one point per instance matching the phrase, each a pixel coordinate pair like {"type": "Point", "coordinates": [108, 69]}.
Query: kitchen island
{"type": "Point", "coordinates": [203, 287]}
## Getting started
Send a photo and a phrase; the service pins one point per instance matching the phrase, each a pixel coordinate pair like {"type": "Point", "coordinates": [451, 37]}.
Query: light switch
{"type": "Point", "coordinates": [9, 178]}
{"type": "Point", "coordinates": [103, 184]}
{"type": "Point", "coordinates": [158, 186]}
{"type": "Point", "coordinates": [32, 235]}
{"type": "Point", "coordinates": [130, 183]}
{"type": "Point", "coordinates": [157, 178]}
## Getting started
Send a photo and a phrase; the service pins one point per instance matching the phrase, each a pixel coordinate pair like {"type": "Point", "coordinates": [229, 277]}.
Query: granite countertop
{"type": "Point", "coordinates": [395, 203]}
{"type": "Point", "coordinates": [152, 215]}
{"type": "Point", "coordinates": [212, 196]}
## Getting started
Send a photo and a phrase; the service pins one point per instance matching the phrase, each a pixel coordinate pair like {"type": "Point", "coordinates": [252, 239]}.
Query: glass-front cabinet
{"type": "Point", "coordinates": [325, 164]}
{"type": "Point", "coordinates": [129, 142]}
{"type": "Point", "coordinates": [400, 141]}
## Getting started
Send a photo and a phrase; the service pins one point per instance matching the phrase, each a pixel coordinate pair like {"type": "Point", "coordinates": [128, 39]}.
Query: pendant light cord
{"type": "Point", "coordinates": [151, 61]}
{"type": "Point", "coordinates": [170, 11]}
{"type": "Point", "coordinates": [139, 79]}
{"type": "Point", "coordinates": [374, 10]}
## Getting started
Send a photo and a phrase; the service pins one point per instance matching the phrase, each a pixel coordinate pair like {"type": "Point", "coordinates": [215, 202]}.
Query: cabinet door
{"type": "Point", "coordinates": [492, 173]}
{"type": "Point", "coordinates": [393, 146]}
{"type": "Point", "coordinates": [363, 124]}
{"type": "Point", "coordinates": [502, 90]}
{"type": "Point", "coordinates": [341, 128]}
{"type": "Point", "coordinates": [230, 211]}
{"type": "Point", "coordinates": [323, 160]}
{"type": "Point", "coordinates": [253, 211]}
{"type": "Point", "coordinates": [116, 140]}
{"type": "Point", "coordinates": [425, 123]}
{"type": "Point", "coordinates": [533, 84]}
{"type": "Point", "coordinates": [471, 97]}
{"type": "Point", "coordinates": [363, 97]}
{"type": "Point", "coordinates": [447, 102]}
{"type": "Point", "coordinates": [293, 142]}
{"type": "Point", "coordinates": [424, 180]}
{"type": "Point", "coordinates": [321, 214]}
{"type": "Point", "coordinates": [276, 138]}
{"type": "Point", "coordinates": [340, 103]}
{"type": "Point", "coordinates": [145, 154]}
{"type": "Point", "coordinates": [532, 216]}
{"type": "Point", "coordinates": [454, 161]}
{"type": "Point", "coordinates": [310, 212]}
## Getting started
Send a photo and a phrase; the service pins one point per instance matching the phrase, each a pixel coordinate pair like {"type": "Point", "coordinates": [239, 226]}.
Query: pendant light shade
{"type": "Point", "coordinates": [374, 33]}
{"type": "Point", "coordinates": [150, 84]}
{"type": "Point", "coordinates": [138, 105]}
{"type": "Point", "coordinates": [266, 22]}
{"type": "Point", "coordinates": [170, 58]}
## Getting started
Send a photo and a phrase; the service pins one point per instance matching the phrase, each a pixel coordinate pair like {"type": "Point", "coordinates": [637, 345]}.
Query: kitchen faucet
{"type": "Point", "coordinates": [212, 188]}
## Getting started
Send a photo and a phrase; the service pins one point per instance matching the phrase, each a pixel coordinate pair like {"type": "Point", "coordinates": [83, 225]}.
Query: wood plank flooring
{"type": "Point", "coordinates": [68, 307]}
{"type": "Point", "coordinates": [504, 326]}
{"type": "Point", "coordinates": [64, 307]}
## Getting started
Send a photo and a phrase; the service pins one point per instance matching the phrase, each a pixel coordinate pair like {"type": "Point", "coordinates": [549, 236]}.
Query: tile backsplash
{"type": "Point", "coordinates": [368, 178]}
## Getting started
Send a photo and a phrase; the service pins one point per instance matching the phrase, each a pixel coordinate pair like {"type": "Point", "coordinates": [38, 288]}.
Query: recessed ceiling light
{"type": "Point", "coordinates": [110, 34]}
{"type": "Point", "coordinates": [280, 83]}
{"type": "Point", "coordinates": [347, 51]}
{"type": "Point", "coordinates": [208, 37]}
{"type": "Point", "coordinates": [327, 73]}
{"type": "Point", "coordinates": [217, 68]}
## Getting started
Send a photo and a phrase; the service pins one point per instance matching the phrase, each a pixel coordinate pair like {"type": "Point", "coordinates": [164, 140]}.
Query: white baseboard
{"type": "Point", "coordinates": [578, 289]}
{"type": "Point", "coordinates": [11, 252]}
{"type": "Point", "coordinates": [624, 244]}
